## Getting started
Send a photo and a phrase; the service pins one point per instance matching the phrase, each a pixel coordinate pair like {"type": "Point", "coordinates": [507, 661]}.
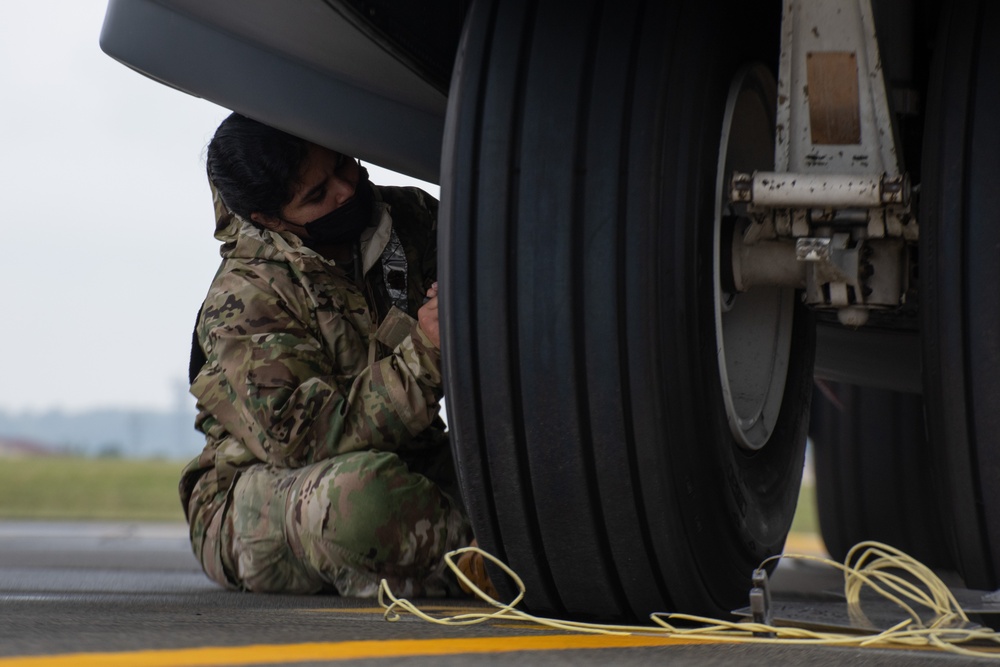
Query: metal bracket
{"type": "Point", "coordinates": [760, 601]}
{"type": "Point", "coordinates": [838, 190]}
{"type": "Point", "coordinates": [837, 271]}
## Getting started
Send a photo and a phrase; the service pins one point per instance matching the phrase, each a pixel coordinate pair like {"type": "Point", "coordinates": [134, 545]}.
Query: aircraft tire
{"type": "Point", "coordinates": [594, 449]}
{"type": "Point", "coordinates": [874, 477]}
{"type": "Point", "coordinates": [959, 277]}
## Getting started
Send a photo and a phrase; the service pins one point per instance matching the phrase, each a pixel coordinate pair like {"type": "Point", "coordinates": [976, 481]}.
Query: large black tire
{"type": "Point", "coordinates": [579, 185]}
{"type": "Point", "coordinates": [874, 475]}
{"type": "Point", "coordinates": [960, 282]}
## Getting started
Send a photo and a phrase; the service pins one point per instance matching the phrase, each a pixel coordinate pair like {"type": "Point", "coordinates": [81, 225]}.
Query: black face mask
{"type": "Point", "coordinates": [345, 223]}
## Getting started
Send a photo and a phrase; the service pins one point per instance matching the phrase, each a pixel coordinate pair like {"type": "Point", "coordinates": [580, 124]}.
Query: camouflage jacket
{"type": "Point", "coordinates": [300, 365]}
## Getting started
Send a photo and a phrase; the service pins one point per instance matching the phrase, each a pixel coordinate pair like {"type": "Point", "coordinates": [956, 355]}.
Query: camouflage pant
{"type": "Point", "coordinates": [343, 525]}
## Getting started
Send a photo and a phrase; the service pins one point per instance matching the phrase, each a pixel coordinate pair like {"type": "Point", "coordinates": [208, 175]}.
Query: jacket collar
{"type": "Point", "coordinates": [242, 238]}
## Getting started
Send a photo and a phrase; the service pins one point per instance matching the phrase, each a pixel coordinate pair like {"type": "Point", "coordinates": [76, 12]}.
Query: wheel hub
{"type": "Point", "coordinates": [753, 329]}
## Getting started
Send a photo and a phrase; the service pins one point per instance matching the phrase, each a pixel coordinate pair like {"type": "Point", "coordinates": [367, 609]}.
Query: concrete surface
{"type": "Point", "coordinates": [132, 594]}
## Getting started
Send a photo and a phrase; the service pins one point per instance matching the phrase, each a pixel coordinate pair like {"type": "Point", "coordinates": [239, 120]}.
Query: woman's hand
{"type": "Point", "coordinates": [427, 316]}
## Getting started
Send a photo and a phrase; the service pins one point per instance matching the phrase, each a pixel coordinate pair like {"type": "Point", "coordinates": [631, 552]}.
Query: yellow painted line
{"type": "Point", "coordinates": [263, 654]}
{"type": "Point", "coordinates": [379, 610]}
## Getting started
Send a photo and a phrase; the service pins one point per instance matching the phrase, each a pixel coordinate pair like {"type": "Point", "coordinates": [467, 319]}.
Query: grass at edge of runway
{"type": "Point", "coordinates": [56, 487]}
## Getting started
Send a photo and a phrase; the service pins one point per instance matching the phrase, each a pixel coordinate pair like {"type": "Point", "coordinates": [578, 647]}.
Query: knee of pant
{"type": "Point", "coordinates": [374, 507]}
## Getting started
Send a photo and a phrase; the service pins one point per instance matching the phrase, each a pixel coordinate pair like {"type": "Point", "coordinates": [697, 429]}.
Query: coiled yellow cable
{"type": "Point", "coordinates": [889, 572]}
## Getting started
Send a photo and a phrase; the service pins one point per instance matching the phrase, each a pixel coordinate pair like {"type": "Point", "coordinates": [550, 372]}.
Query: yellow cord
{"type": "Point", "coordinates": [889, 572]}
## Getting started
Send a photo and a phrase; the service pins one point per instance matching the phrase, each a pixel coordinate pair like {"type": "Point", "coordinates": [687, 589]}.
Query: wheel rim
{"type": "Point", "coordinates": [753, 329]}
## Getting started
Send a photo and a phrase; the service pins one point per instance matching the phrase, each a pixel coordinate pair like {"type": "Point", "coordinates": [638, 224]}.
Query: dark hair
{"type": "Point", "coordinates": [254, 166]}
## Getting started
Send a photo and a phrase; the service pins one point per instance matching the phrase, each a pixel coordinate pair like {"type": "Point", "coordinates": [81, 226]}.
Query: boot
{"type": "Point", "coordinates": [473, 565]}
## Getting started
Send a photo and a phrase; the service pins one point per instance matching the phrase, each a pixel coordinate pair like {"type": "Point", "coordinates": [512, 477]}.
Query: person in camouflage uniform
{"type": "Point", "coordinates": [326, 467]}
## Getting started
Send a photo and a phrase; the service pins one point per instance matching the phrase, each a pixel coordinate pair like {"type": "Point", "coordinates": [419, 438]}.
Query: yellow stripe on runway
{"type": "Point", "coordinates": [263, 654]}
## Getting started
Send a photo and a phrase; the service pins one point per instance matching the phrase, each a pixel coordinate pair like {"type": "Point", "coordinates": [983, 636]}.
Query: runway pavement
{"type": "Point", "coordinates": [75, 594]}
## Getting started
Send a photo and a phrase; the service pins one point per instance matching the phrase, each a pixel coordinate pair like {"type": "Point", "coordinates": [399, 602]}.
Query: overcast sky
{"type": "Point", "coordinates": [107, 244]}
